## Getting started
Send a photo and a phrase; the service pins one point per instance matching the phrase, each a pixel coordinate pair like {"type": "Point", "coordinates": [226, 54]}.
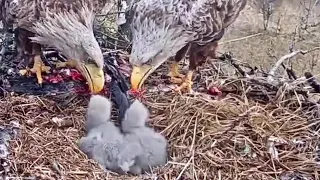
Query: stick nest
{"type": "Point", "coordinates": [241, 135]}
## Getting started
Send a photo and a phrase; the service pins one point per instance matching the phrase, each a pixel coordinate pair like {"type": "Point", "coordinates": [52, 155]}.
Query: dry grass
{"type": "Point", "coordinates": [228, 138]}
{"type": "Point", "coordinates": [209, 139]}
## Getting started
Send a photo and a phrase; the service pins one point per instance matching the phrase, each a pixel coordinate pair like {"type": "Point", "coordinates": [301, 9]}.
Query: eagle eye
{"type": "Point", "coordinates": [90, 61]}
{"type": "Point", "coordinates": [149, 61]}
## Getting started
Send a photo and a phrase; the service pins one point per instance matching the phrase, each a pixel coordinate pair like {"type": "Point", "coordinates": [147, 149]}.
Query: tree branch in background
{"type": "Point", "coordinates": [285, 57]}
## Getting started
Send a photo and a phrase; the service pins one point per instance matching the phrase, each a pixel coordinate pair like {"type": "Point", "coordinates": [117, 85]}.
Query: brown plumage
{"type": "Point", "coordinates": [67, 26]}
{"type": "Point", "coordinates": [168, 29]}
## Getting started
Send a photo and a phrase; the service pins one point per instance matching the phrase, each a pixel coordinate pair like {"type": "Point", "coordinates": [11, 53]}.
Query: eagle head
{"type": "Point", "coordinates": [72, 33]}
{"type": "Point", "coordinates": [154, 40]}
{"type": "Point", "coordinates": [90, 64]}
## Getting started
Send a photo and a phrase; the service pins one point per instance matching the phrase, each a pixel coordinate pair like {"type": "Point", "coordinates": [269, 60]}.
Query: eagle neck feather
{"type": "Point", "coordinates": [66, 31]}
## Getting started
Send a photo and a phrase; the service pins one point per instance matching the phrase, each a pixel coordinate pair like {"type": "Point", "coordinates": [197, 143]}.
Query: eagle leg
{"type": "Point", "coordinates": [70, 63]}
{"type": "Point", "coordinates": [196, 57]}
{"type": "Point", "coordinates": [38, 68]}
{"type": "Point", "coordinates": [214, 48]}
{"type": "Point", "coordinates": [186, 83]}
{"type": "Point", "coordinates": [176, 77]}
{"type": "Point", "coordinates": [174, 71]}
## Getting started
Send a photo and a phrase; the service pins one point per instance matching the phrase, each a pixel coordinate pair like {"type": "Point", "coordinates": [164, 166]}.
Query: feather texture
{"type": "Point", "coordinates": [66, 25]}
{"type": "Point", "coordinates": [153, 145]}
{"type": "Point", "coordinates": [66, 31]}
{"type": "Point", "coordinates": [163, 27]}
{"type": "Point", "coordinates": [135, 151]}
{"type": "Point", "coordinates": [104, 142]}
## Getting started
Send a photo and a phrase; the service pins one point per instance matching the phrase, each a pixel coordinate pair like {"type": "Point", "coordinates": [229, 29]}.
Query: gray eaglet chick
{"type": "Point", "coordinates": [98, 112]}
{"type": "Point", "coordinates": [154, 145]}
{"type": "Point", "coordinates": [104, 142]}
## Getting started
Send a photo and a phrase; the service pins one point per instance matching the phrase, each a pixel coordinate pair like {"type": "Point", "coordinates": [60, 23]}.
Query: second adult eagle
{"type": "Point", "coordinates": [67, 26]}
{"type": "Point", "coordinates": [162, 29]}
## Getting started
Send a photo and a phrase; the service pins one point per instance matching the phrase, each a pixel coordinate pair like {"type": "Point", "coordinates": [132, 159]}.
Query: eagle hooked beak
{"type": "Point", "coordinates": [139, 75]}
{"type": "Point", "coordinates": [94, 76]}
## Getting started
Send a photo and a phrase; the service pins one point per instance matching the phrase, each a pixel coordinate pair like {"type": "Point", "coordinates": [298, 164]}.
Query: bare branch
{"type": "Point", "coordinates": [285, 57]}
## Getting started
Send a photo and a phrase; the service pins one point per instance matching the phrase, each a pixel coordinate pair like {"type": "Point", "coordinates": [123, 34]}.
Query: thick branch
{"type": "Point", "coordinates": [285, 57]}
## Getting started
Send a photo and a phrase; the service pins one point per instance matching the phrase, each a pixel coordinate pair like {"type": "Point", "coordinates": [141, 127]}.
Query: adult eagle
{"type": "Point", "coordinates": [67, 26]}
{"type": "Point", "coordinates": [164, 29]}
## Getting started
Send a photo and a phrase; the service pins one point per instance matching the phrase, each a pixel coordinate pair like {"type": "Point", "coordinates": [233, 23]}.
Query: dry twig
{"type": "Point", "coordinates": [285, 57]}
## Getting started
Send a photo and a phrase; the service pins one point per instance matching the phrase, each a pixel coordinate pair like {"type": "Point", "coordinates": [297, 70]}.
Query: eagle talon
{"type": "Point", "coordinates": [175, 75]}
{"type": "Point", "coordinates": [175, 80]}
{"type": "Point", "coordinates": [39, 84]}
{"type": "Point", "coordinates": [174, 71]}
{"type": "Point", "coordinates": [45, 69]}
{"type": "Point", "coordinates": [180, 39]}
{"type": "Point", "coordinates": [69, 63]}
{"type": "Point", "coordinates": [61, 64]}
{"type": "Point", "coordinates": [38, 68]}
{"type": "Point", "coordinates": [187, 83]}
{"type": "Point", "coordinates": [24, 72]}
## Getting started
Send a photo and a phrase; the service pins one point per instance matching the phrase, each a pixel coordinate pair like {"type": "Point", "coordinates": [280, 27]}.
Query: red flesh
{"type": "Point", "coordinates": [215, 91]}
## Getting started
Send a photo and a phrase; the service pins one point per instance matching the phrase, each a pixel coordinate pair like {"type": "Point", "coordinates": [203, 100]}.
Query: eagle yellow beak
{"type": "Point", "coordinates": [139, 75]}
{"type": "Point", "coordinates": [94, 76]}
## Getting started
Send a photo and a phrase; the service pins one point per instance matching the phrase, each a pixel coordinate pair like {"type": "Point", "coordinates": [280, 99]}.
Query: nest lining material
{"type": "Point", "coordinates": [233, 138]}
{"type": "Point", "coordinates": [258, 131]}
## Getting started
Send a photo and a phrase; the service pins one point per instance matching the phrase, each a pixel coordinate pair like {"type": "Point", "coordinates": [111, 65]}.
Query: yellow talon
{"type": "Point", "coordinates": [70, 63]}
{"type": "Point", "coordinates": [187, 83]}
{"type": "Point", "coordinates": [23, 72]}
{"type": "Point", "coordinates": [175, 80]}
{"type": "Point", "coordinates": [174, 71]}
{"type": "Point", "coordinates": [38, 68]}
{"type": "Point", "coordinates": [45, 69]}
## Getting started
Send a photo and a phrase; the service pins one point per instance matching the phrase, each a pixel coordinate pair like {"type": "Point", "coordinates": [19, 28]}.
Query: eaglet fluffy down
{"type": "Point", "coordinates": [135, 151]}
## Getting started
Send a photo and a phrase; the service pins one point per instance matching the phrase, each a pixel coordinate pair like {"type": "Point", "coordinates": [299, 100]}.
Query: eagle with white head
{"type": "Point", "coordinates": [67, 26]}
{"type": "Point", "coordinates": [168, 29]}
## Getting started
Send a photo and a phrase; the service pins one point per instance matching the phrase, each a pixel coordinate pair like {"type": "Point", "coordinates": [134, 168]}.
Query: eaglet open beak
{"type": "Point", "coordinates": [139, 75]}
{"type": "Point", "coordinates": [94, 76]}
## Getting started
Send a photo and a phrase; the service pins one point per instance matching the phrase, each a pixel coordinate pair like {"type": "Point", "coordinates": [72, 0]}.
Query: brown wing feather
{"type": "Point", "coordinates": [8, 11]}
{"type": "Point", "coordinates": [31, 11]}
{"type": "Point", "coordinates": [209, 23]}
{"type": "Point", "coordinates": [26, 12]}
{"type": "Point", "coordinates": [213, 17]}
